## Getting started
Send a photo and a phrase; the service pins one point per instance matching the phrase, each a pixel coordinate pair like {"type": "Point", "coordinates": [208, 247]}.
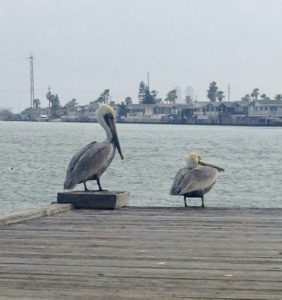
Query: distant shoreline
{"type": "Point", "coordinates": [156, 123]}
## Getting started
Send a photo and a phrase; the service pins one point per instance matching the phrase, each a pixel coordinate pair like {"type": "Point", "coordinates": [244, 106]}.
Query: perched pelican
{"type": "Point", "coordinates": [92, 161]}
{"type": "Point", "coordinates": [196, 179]}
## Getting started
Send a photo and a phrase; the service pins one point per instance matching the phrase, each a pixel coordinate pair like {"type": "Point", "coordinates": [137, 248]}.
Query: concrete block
{"type": "Point", "coordinates": [95, 200]}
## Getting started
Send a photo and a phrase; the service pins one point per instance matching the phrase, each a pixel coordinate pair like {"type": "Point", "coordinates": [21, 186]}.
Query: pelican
{"type": "Point", "coordinates": [92, 161]}
{"type": "Point", "coordinates": [196, 179]}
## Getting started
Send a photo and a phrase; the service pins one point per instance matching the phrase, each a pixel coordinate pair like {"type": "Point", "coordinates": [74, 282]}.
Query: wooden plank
{"type": "Point", "coordinates": [134, 288]}
{"type": "Point", "coordinates": [95, 200]}
{"type": "Point", "coordinates": [203, 264]}
{"type": "Point", "coordinates": [34, 213]}
{"type": "Point", "coordinates": [271, 277]}
{"type": "Point", "coordinates": [142, 253]}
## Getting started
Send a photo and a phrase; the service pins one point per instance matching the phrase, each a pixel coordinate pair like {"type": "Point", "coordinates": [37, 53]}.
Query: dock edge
{"type": "Point", "coordinates": [34, 213]}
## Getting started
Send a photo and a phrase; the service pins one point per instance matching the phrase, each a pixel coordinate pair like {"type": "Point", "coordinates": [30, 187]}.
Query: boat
{"type": "Point", "coordinates": [42, 118]}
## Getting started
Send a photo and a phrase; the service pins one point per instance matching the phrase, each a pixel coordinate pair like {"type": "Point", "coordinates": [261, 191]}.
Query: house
{"type": "Point", "coordinates": [265, 108]}
{"type": "Point", "coordinates": [193, 111]}
{"type": "Point", "coordinates": [215, 109]}
{"type": "Point", "coordinates": [140, 110]}
{"type": "Point", "coordinates": [165, 109]}
{"type": "Point", "coordinates": [240, 108]}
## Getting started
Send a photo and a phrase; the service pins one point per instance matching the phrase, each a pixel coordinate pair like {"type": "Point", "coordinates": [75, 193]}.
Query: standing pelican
{"type": "Point", "coordinates": [92, 161]}
{"type": "Point", "coordinates": [196, 179]}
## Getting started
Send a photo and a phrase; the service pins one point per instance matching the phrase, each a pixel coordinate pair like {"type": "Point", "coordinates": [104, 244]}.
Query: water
{"type": "Point", "coordinates": [35, 156]}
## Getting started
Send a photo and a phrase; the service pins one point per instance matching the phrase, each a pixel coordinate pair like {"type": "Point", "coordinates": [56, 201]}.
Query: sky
{"type": "Point", "coordinates": [82, 47]}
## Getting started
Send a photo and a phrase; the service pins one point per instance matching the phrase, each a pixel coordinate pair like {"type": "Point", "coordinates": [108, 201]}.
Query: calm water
{"type": "Point", "coordinates": [35, 156]}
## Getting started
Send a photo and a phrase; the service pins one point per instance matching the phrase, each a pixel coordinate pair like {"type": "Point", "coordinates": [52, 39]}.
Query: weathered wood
{"type": "Point", "coordinates": [34, 213]}
{"type": "Point", "coordinates": [143, 253]}
{"type": "Point", "coordinates": [95, 200]}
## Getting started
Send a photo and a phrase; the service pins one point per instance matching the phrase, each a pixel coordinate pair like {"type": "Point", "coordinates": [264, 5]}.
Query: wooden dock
{"type": "Point", "coordinates": [144, 253]}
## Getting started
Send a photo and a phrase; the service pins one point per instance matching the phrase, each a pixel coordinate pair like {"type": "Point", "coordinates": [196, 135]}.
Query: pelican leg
{"type": "Point", "coordinates": [85, 187]}
{"type": "Point", "coordinates": [203, 205]}
{"type": "Point", "coordinates": [99, 185]}
{"type": "Point", "coordinates": [185, 203]}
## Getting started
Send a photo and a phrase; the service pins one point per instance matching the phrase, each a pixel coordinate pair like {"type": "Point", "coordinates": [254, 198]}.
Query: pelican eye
{"type": "Point", "coordinates": [108, 117]}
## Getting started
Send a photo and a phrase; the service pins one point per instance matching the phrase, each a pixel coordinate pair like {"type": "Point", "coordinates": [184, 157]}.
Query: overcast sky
{"type": "Point", "coordinates": [83, 47]}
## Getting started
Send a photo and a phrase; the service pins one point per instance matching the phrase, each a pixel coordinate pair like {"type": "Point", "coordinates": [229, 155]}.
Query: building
{"type": "Point", "coordinates": [260, 112]}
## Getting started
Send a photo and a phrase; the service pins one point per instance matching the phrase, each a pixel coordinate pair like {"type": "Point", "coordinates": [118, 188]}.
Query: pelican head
{"type": "Point", "coordinates": [193, 160]}
{"type": "Point", "coordinates": [106, 118]}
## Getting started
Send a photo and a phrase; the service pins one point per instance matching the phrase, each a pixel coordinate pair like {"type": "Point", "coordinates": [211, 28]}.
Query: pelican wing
{"type": "Point", "coordinates": [197, 179]}
{"type": "Point", "coordinates": [89, 163]}
{"type": "Point", "coordinates": [178, 181]}
{"type": "Point", "coordinates": [77, 157]}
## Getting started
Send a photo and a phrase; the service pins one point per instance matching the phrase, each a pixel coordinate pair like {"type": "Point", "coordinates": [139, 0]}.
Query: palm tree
{"type": "Point", "coordinates": [247, 97]}
{"type": "Point", "coordinates": [255, 94]}
{"type": "Point", "coordinates": [278, 97]}
{"type": "Point", "coordinates": [55, 104]}
{"type": "Point", "coordinates": [188, 100]}
{"type": "Point", "coordinates": [128, 100]}
{"type": "Point", "coordinates": [71, 105]}
{"type": "Point", "coordinates": [104, 97]}
{"type": "Point", "coordinates": [264, 97]}
{"type": "Point", "coordinates": [122, 110]}
{"type": "Point", "coordinates": [36, 103]}
{"type": "Point", "coordinates": [171, 96]}
{"type": "Point", "coordinates": [220, 96]}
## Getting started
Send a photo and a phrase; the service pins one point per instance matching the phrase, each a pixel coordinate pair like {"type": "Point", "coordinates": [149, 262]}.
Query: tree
{"type": "Point", "coordinates": [159, 100]}
{"type": "Point", "coordinates": [154, 93]}
{"type": "Point", "coordinates": [255, 94]}
{"type": "Point", "coordinates": [55, 104]}
{"type": "Point", "coordinates": [188, 99]}
{"type": "Point", "coordinates": [141, 92]}
{"type": "Point", "coordinates": [71, 105]}
{"type": "Point", "coordinates": [36, 103]}
{"type": "Point", "coordinates": [6, 115]}
{"type": "Point", "coordinates": [220, 96]}
{"type": "Point", "coordinates": [93, 105]}
{"type": "Point", "coordinates": [264, 97]}
{"type": "Point", "coordinates": [148, 98]}
{"type": "Point", "coordinates": [247, 97]}
{"type": "Point", "coordinates": [278, 97]}
{"type": "Point", "coordinates": [128, 101]}
{"type": "Point", "coordinates": [144, 94]}
{"type": "Point", "coordinates": [212, 91]}
{"type": "Point", "coordinates": [171, 96]}
{"type": "Point", "coordinates": [122, 110]}
{"type": "Point", "coordinates": [104, 97]}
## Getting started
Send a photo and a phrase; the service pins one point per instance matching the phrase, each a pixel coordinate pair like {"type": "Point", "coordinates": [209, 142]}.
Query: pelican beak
{"type": "Point", "coordinates": [203, 163]}
{"type": "Point", "coordinates": [113, 129]}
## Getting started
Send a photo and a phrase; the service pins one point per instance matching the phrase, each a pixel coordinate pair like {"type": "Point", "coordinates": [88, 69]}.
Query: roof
{"type": "Point", "coordinates": [140, 106]}
{"type": "Point", "coordinates": [267, 103]}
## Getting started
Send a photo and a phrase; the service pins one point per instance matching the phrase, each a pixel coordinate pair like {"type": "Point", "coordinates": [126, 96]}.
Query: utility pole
{"type": "Point", "coordinates": [228, 92]}
{"type": "Point", "coordinates": [31, 80]}
{"type": "Point", "coordinates": [148, 80]}
{"type": "Point", "coordinates": [48, 94]}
